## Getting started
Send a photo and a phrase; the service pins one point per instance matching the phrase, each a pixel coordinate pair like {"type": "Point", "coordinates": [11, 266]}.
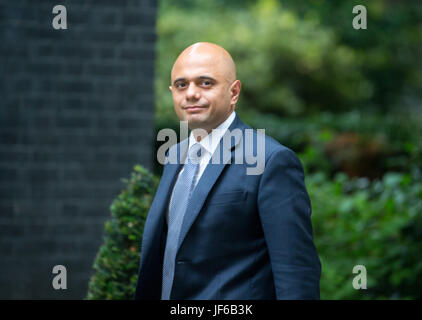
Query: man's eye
{"type": "Point", "coordinates": [180, 85]}
{"type": "Point", "coordinates": [206, 83]}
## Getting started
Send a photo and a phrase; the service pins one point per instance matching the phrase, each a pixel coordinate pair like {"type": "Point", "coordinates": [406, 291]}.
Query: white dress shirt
{"type": "Point", "coordinates": [209, 143]}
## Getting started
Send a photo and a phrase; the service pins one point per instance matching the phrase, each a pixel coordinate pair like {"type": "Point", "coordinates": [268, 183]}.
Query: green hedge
{"type": "Point", "coordinates": [117, 262]}
{"type": "Point", "coordinates": [377, 224]}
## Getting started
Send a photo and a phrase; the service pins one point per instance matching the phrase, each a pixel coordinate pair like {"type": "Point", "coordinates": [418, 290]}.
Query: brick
{"type": "Point", "coordinates": [109, 36]}
{"type": "Point", "coordinates": [6, 210]}
{"type": "Point", "coordinates": [75, 87]}
{"type": "Point", "coordinates": [73, 122]}
{"type": "Point", "coordinates": [8, 174]}
{"type": "Point", "coordinates": [77, 106]}
{"type": "Point", "coordinates": [8, 138]}
{"type": "Point", "coordinates": [74, 69]}
{"type": "Point", "coordinates": [42, 121]}
{"type": "Point", "coordinates": [42, 175]}
{"type": "Point", "coordinates": [107, 53]}
{"type": "Point", "coordinates": [130, 123]}
{"type": "Point", "coordinates": [137, 54]}
{"type": "Point", "coordinates": [16, 157]}
{"type": "Point", "coordinates": [138, 19]}
{"type": "Point", "coordinates": [11, 231]}
{"type": "Point", "coordinates": [75, 51]}
{"type": "Point", "coordinates": [106, 70]}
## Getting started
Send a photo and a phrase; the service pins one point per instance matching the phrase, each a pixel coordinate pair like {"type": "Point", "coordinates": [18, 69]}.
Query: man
{"type": "Point", "coordinates": [213, 230]}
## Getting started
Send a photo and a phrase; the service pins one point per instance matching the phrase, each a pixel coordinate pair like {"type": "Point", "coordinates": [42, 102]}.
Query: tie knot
{"type": "Point", "coordinates": [195, 153]}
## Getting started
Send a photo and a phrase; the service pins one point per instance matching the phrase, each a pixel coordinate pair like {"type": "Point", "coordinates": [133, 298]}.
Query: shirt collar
{"type": "Point", "coordinates": [211, 141]}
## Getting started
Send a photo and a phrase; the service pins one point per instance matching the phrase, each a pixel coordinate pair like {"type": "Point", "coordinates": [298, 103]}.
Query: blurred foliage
{"type": "Point", "coordinates": [297, 58]}
{"type": "Point", "coordinates": [117, 262]}
{"type": "Point", "coordinates": [357, 143]}
{"type": "Point", "coordinates": [389, 50]}
{"type": "Point", "coordinates": [376, 224]}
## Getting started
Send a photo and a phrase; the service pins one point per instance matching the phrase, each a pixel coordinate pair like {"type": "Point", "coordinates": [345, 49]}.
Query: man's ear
{"type": "Point", "coordinates": [170, 87]}
{"type": "Point", "coordinates": [235, 91]}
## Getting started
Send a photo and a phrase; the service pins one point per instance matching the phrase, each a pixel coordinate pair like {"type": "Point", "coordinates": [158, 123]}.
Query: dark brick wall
{"type": "Point", "coordinates": [76, 113]}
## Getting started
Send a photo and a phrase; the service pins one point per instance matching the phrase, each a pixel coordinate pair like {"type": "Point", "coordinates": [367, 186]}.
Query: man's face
{"type": "Point", "coordinates": [203, 93]}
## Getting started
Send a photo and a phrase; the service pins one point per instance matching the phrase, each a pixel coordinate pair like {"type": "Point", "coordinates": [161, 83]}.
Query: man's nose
{"type": "Point", "coordinates": [192, 92]}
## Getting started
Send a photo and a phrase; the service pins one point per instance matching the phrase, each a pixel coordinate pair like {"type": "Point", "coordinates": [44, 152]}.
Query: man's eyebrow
{"type": "Point", "coordinates": [206, 78]}
{"type": "Point", "coordinates": [178, 79]}
{"type": "Point", "coordinates": [200, 77]}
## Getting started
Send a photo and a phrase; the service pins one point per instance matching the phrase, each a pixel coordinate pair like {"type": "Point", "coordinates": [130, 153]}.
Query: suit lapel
{"type": "Point", "coordinates": [207, 181]}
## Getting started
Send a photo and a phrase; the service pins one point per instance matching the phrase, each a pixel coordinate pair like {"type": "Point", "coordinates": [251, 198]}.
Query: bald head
{"type": "Point", "coordinates": [204, 86]}
{"type": "Point", "coordinates": [207, 52]}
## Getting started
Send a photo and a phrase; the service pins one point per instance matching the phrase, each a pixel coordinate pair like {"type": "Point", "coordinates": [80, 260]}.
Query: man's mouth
{"type": "Point", "coordinates": [194, 108]}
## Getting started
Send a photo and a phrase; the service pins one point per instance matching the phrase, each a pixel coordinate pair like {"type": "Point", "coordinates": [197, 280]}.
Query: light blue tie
{"type": "Point", "coordinates": [179, 201]}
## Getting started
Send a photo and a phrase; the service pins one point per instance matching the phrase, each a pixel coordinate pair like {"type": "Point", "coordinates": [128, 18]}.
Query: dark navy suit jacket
{"type": "Point", "coordinates": [243, 236]}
